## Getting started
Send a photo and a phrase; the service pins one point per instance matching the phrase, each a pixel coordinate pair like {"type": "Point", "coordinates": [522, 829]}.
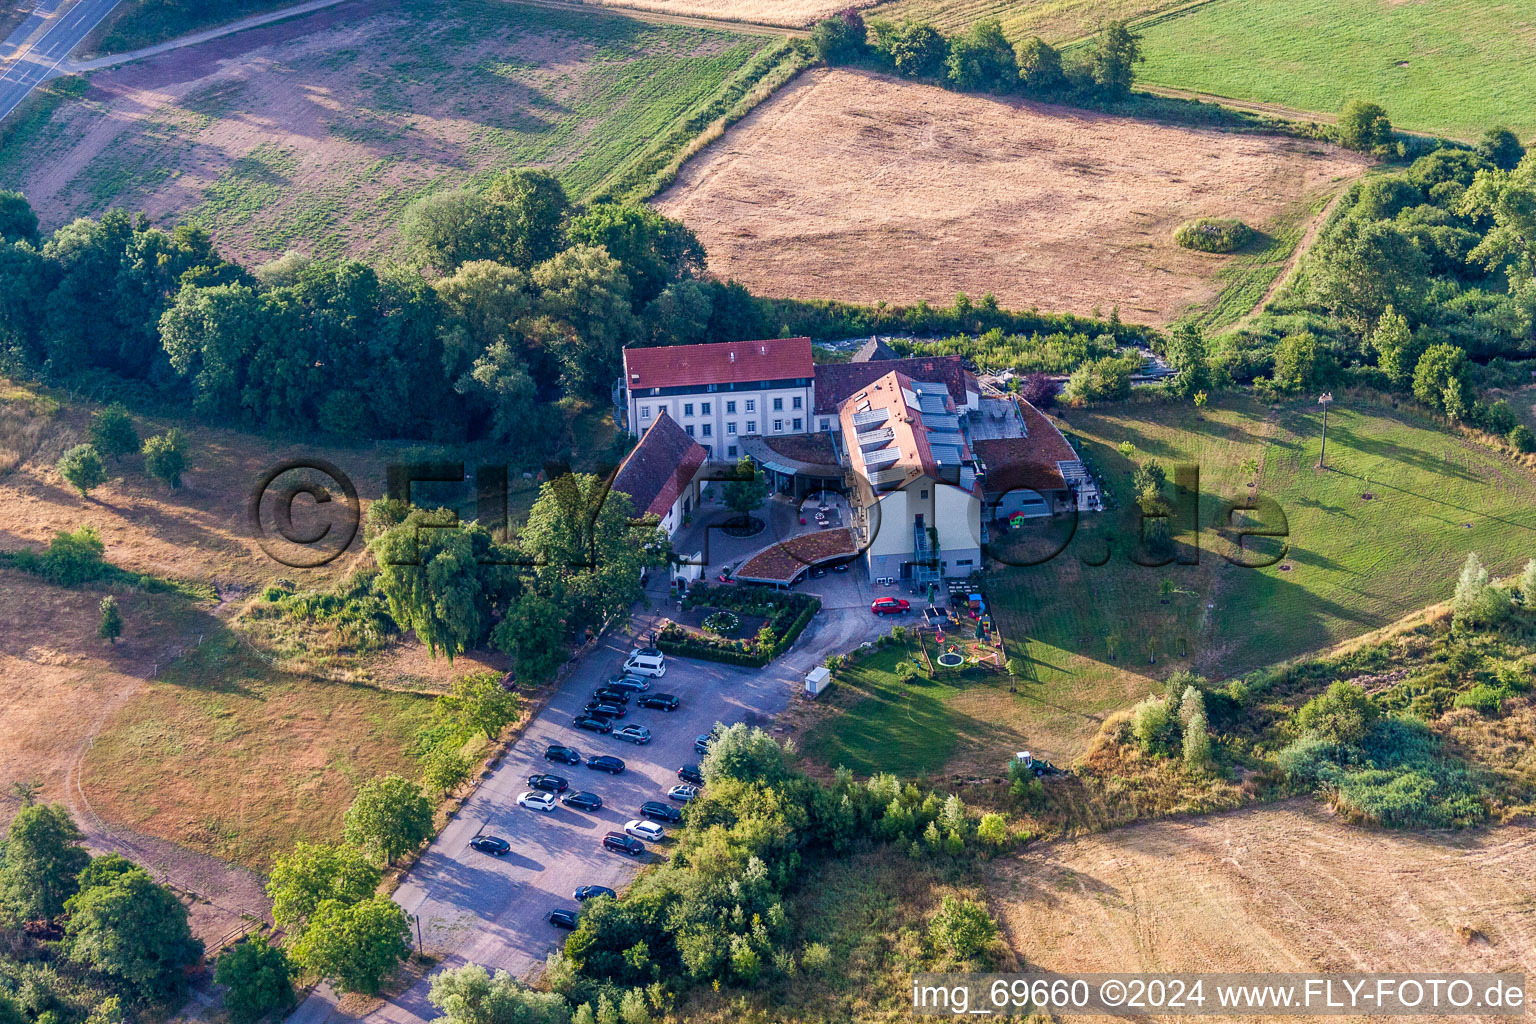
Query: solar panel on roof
{"type": "Point", "coordinates": [881, 458]}
{"type": "Point", "coordinates": [870, 417]}
{"type": "Point", "coordinates": [875, 438]}
{"type": "Point", "coordinates": [946, 454]}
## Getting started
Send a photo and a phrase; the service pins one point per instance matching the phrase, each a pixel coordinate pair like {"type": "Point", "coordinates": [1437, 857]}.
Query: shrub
{"type": "Point", "coordinates": [992, 829]}
{"type": "Point", "coordinates": [1213, 234]}
{"type": "Point", "coordinates": [1364, 126]}
{"type": "Point", "coordinates": [1040, 72]}
{"type": "Point", "coordinates": [982, 60]}
{"type": "Point", "coordinates": [165, 457]}
{"type": "Point", "coordinates": [82, 468]}
{"type": "Point", "coordinates": [1341, 715]}
{"type": "Point", "coordinates": [840, 39]}
{"type": "Point", "coordinates": [1500, 147]}
{"type": "Point", "coordinates": [1152, 723]}
{"type": "Point", "coordinates": [112, 432]}
{"type": "Point", "coordinates": [913, 49]}
{"type": "Point", "coordinates": [1482, 697]}
{"type": "Point", "coordinates": [111, 625]}
{"type": "Point", "coordinates": [1522, 440]}
{"type": "Point", "coordinates": [962, 928]}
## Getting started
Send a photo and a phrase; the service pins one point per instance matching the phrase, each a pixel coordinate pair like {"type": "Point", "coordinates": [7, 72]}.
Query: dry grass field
{"type": "Point", "coordinates": [316, 133]}
{"type": "Point", "coordinates": [1278, 888]}
{"type": "Point", "coordinates": [788, 13]}
{"type": "Point", "coordinates": [856, 186]}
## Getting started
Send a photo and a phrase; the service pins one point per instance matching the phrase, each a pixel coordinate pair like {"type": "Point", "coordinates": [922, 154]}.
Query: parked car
{"type": "Point", "coordinates": [637, 734]}
{"type": "Point", "coordinates": [606, 763]}
{"type": "Point", "coordinates": [817, 572]}
{"type": "Point", "coordinates": [727, 575]}
{"type": "Point", "coordinates": [553, 783]}
{"type": "Point", "coordinates": [648, 830]}
{"type": "Point", "coordinates": [629, 684]}
{"type": "Point", "coordinates": [647, 665]}
{"type": "Point", "coordinates": [658, 811]}
{"type": "Point", "coordinates": [683, 793]}
{"type": "Point", "coordinates": [621, 843]}
{"type": "Point", "coordinates": [583, 801]}
{"type": "Point", "coordinates": [889, 606]}
{"type": "Point", "coordinates": [562, 918]}
{"type": "Point", "coordinates": [535, 800]}
{"type": "Point", "coordinates": [649, 652]}
{"type": "Point", "coordinates": [602, 709]}
{"type": "Point", "coordinates": [701, 744]}
{"type": "Point", "coordinates": [592, 892]}
{"type": "Point", "coordinates": [493, 845]}
{"type": "Point", "coordinates": [842, 566]}
{"type": "Point", "coordinates": [661, 701]}
{"type": "Point", "coordinates": [598, 725]}
{"type": "Point", "coordinates": [563, 755]}
{"type": "Point", "coordinates": [690, 773]}
{"type": "Point", "coordinates": [612, 695]}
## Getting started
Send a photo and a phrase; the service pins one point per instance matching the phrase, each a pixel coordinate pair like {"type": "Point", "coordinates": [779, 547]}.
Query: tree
{"type": "Point", "coordinates": [134, 930]}
{"type": "Point", "coordinates": [1501, 147]}
{"type": "Point", "coordinates": [1364, 266]}
{"type": "Point", "coordinates": [653, 249]}
{"type": "Point", "coordinates": [355, 947]}
{"type": "Point", "coordinates": [1521, 439]}
{"type": "Point", "coordinates": [82, 468]}
{"type": "Point", "coordinates": [840, 39]}
{"type": "Point", "coordinates": [526, 213]}
{"type": "Point", "coordinates": [1112, 63]}
{"type": "Point", "coordinates": [982, 59]}
{"type": "Point", "coordinates": [747, 489]}
{"type": "Point", "coordinates": [1509, 197]}
{"type": "Point", "coordinates": [1196, 729]}
{"type": "Point", "coordinates": [1477, 602]}
{"type": "Point", "coordinates": [312, 873]}
{"type": "Point", "coordinates": [993, 829]}
{"type": "Point", "coordinates": [1295, 361]}
{"type": "Point", "coordinates": [534, 633]}
{"type": "Point", "coordinates": [1249, 468]}
{"type": "Point", "coordinates": [471, 995]}
{"type": "Point", "coordinates": [1040, 72]}
{"type": "Point", "coordinates": [43, 858]}
{"type": "Point", "coordinates": [1342, 715]}
{"type": "Point", "coordinates": [18, 222]}
{"type": "Point", "coordinates": [1153, 725]}
{"type": "Point", "coordinates": [1528, 584]}
{"type": "Point", "coordinates": [1187, 354]}
{"type": "Point", "coordinates": [388, 817]}
{"type": "Point", "coordinates": [585, 317]}
{"type": "Point", "coordinates": [479, 702]}
{"type": "Point", "coordinates": [1038, 390]}
{"type": "Point", "coordinates": [445, 767]}
{"type": "Point", "coordinates": [745, 754]}
{"type": "Point", "coordinates": [165, 457]}
{"type": "Point", "coordinates": [1364, 126]}
{"type": "Point", "coordinates": [962, 928]}
{"type": "Point", "coordinates": [1439, 366]}
{"type": "Point", "coordinates": [1392, 341]}
{"type": "Point", "coordinates": [500, 379]}
{"type": "Point", "coordinates": [915, 49]}
{"type": "Point", "coordinates": [112, 433]}
{"type": "Point", "coordinates": [111, 626]}
{"type": "Point", "coordinates": [74, 558]}
{"type": "Point", "coordinates": [259, 978]}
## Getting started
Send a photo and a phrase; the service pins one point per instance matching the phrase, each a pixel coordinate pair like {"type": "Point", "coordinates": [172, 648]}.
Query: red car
{"type": "Point", "coordinates": [889, 606]}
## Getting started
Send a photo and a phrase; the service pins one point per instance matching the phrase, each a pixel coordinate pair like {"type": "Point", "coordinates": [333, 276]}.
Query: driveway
{"type": "Point", "coordinates": [475, 908]}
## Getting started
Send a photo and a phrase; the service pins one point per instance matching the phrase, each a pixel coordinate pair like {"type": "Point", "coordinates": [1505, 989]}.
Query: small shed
{"type": "Point", "coordinates": [816, 680]}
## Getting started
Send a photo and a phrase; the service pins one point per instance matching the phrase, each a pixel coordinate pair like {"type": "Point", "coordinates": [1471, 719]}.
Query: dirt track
{"type": "Point", "coordinates": [861, 187]}
{"type": "Point", "coordinates": [1281, 888]}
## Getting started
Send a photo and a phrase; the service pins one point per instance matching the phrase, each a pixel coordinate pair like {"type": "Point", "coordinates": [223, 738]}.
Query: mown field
{"type": "Point", "coordinates": [1453, 67]}
{"type": "Point", "coordinates": [1095, 638]}
{"type": "Point", "coordinates": [138, 23]}
{"type": "Point", "coordinates": [316, 133]}
{"type": "Point", "coordinates": [1056, 21]}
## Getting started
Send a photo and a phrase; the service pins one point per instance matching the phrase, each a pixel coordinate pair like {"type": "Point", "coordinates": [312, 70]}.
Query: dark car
{"type": "Point", "coordinates": [494, 845]}
{"type": "Point", "coordinates": [701, 744]}
{"type": "Point", "coordinates": [664, 701]}
{"type": "Point", "coordinates": [548, 783]}
{"type": "Point", "coordinates": [633, 684]}
{"type": "Point", "coordinates": [606, 763]}
{"type": "Point", "coordinates": [621, 843]}
{"type": "Point", "coordinates": [818, 572]}
{"type": "Point", "coordinates": [645, 652]}
{"type": "Point", "coordinates": [657, 811]}
{"type": "Point", "coordinates": [600, 725]}
{"type": "Point", "coordinates": [842, 566]}
{"type": "Point", "coordinates": [583, 801]}
{"type": "Point", "coordinates": [592, 892]}
{"type": "Point", "coordinates": [564, 755]}
{"type": "Point", "coordinates": [561, 918]}
{"type": "Point", "coordinates": [611, 695]}
{"type": "Point", "coordinates": [691, 773]}
{"type": "Point", "coordinates": [602, 709]}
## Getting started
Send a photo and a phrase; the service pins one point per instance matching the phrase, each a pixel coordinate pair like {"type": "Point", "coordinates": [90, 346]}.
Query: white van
{"type": "Point", "coordinates": [646, 665]}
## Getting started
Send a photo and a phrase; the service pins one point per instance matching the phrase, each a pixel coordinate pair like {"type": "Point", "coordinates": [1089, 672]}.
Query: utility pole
{"type": "Point", "coordinates": [1324, 400]}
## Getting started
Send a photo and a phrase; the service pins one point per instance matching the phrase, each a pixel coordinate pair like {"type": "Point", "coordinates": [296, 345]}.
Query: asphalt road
{"type": "Point", "coordinates": [476, 908]}
{"type": "Point", "coordinates": [32, 68]}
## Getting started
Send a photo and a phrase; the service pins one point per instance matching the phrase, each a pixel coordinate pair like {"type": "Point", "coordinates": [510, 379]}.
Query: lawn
{"type": "Point", "coordinates": [1452, 67]}
{"type": "Point", "coordinates": [1090, 634]}
{"type": "Point", "coordinates": [316, 133]}
{"type": "Point", "coordinates": [228, 758]}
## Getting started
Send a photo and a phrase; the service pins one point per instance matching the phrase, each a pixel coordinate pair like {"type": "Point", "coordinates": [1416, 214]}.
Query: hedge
{"type": "Point", "coordinates": [674, 639]}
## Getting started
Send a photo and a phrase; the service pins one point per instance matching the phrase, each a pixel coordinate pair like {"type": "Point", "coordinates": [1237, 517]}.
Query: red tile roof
{"type": "Point", "coordinates": [1029, 463]}
{"type": "Point", "coordinates": [661, 466]}
{"type": "Point", "coordinates": [727, 362]}
{"type": "Point", "coordinates": [835, 382]}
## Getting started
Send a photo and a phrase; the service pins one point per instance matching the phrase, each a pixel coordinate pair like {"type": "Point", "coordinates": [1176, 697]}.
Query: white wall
{"type": "Point", "coordinates": [763, 418]}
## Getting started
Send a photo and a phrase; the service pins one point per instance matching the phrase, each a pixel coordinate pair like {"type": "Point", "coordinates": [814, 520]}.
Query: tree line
{"type": "Point", "coordinates": [981, 59]}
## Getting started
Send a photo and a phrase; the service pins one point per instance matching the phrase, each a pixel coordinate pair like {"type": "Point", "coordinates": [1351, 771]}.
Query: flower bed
{"type": "Point", "coordinates": [722, 622]}
{"type": "Point", "coordinates": [785, 616]}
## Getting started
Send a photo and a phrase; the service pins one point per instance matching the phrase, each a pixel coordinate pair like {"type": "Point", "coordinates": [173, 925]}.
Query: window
{"type": "Point", "coordinates": [704, 409]}
{"type": "Point", "coordinates": [798, 427]}
{"type": "Point", "coordinates": [707, 429]}
{"type": "Point", "coordinates": [778, 405]}
{"type": "Point", "coordinates": [778, 426]}
{"type": "Point", "coordinates": [795, 402]}
{"type": "Point", "coordinates": [687, 408]}
{"type": "Point", "coordinates": [923, 494]}
{"type": "Point", "coordinates": [645, 412]}
{"type": "Point", "coordinates": [730, 428]}
{"type": "Point", "coordinates": [751, 425]}
{"type": "Point", "coordinates": [751, 407]}
{"type": "Point", "coordinates": [825, 424]}
{"type": "Point", "coordinates": [730, 408]}
{"type": "Point", "coordinates": [731, 451]}
{"type": "Point", "coordinates": [962, 561]}
{"type": "Point", "coordinates": [689, 428]}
